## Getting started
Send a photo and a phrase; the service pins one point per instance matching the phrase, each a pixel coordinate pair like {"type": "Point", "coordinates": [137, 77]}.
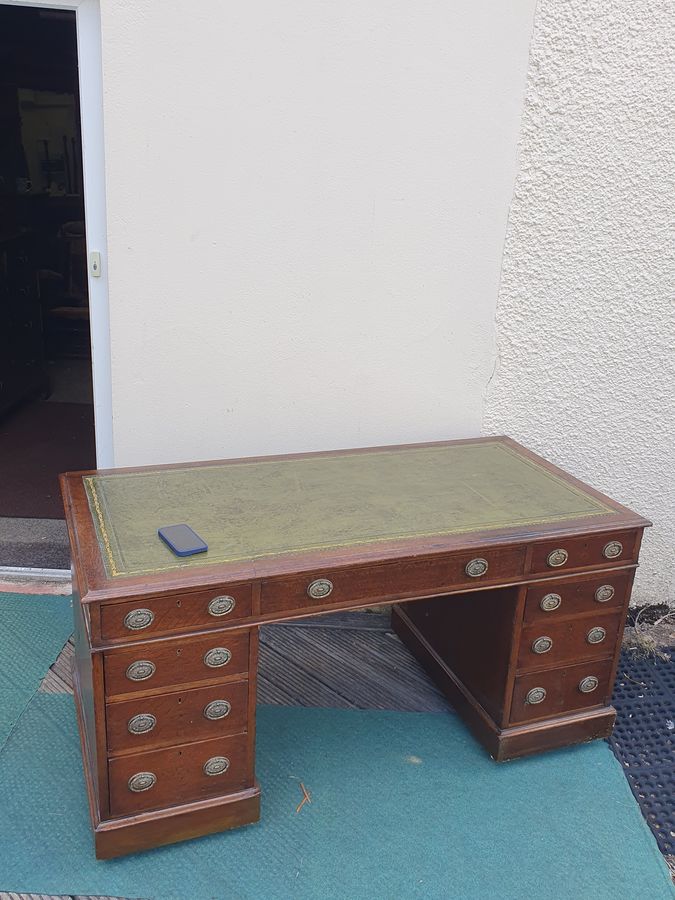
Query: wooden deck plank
{"type": "Point", "coordinates": [308, 664]}
{"type": "Point", "coordinates": [59, 679]}
{"type": "Point", "coordinates": [52, 684]}
{"type": "Point", "coordinates": [370, 670]}
{"type": "Point", "coordinates": [363, 621]}
{"type": "Point", "coordinates": [293, 679]}
{"type": "Point", "coordinates": [344, 660]}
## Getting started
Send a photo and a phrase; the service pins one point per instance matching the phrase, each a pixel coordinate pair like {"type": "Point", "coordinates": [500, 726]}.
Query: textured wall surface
{"type": "Point", "coordinates": [585, 369]}
{"type": "Point", "coordinates": [306, 212]}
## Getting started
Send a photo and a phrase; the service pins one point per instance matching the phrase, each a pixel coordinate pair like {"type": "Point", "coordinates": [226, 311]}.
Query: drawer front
{"type": "Point", "coordinates": [323, 589]}
{"type": "Point", "coordinates": [541, 695]}
{"type": "Point", "coordinates": [161, 664]}
{"type": "Point", "coordinates": [176, 775]}
{"type": "Point", "coordinates": [595, 550]}
{"type": "Point", "coordinates": [548, 602]}
{"type": "Point", "coordinates": [177, 717]}
{"type": "Point", "coordinates": [147, 617]}
{"type": "Point", "coordinates": [560, 643]}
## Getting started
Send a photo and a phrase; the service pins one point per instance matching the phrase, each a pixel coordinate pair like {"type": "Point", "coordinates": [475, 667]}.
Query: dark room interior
{"type": "Point", "coordinates": [46, 409]}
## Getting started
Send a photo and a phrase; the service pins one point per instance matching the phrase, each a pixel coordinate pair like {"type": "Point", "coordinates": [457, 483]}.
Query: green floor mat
{"type": "Point", "coordinates": [33, 629]}
{"type": "Point", "coordinates": [404, 805]}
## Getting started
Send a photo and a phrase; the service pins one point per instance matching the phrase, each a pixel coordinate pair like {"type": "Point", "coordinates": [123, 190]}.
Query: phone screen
{"type": "Point", "coordinates": [182, 539]}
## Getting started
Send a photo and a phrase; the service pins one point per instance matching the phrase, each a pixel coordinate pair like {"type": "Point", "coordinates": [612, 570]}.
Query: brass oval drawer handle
{"type": "Point", "coordinates": [217, 765]}
{"type": "Point", "coordinates": [542, 645]}
{"type": "Point", "coordinates": [140, 670]}
{"type": "Point", "coordinates": [141, 724]}
{"type": "Point", "coordinates": [320, 588]}
{"type": "Point", "coordinates": [557, 558]}
{"type": "Point", "coordinates": [142, 781]}
{"type": "Point", "coordinates": [536, 695]}
{"type": "Point", "coordinates": [612, 550]}
{"type": "Point", "coordinates": [589, 684]}
{"type": "Point", "coordinates": [139, 618]}
{"type": "Point", "coordinates": [221, 606]}
{"type": "Point", "coordinates": [550, 602]}
{"type": "Point", "coordinates": [596, 635]}
{"type": "Point", "coordinates": [217, 709]}
{"type": "Point", "coordinates": [476, 567]}
{"type": "Point", "coordinates": [604, 593]}
{"type": "Point", "coordinates": [217, 657]}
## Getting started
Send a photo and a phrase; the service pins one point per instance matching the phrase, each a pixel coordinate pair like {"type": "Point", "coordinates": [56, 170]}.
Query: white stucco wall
{"type": "Point", "coordinates": [306, 207]}
{"type": "Point", "coordinates": [585, 372]}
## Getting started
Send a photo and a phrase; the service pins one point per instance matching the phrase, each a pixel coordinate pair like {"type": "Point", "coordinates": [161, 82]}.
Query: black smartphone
{"type": "Point", "coordinates": [182, 540]}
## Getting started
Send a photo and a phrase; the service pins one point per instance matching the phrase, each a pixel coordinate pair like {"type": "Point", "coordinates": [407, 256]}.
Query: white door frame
{"type": "Point", "coordinates": [88, 17]}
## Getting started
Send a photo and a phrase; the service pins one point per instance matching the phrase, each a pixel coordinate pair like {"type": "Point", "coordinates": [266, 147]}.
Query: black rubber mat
{"type": "Point", "coordinates": [644, 739]}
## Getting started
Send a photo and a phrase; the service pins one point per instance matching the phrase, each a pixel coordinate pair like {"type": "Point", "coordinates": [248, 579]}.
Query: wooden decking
{"type": "Point", "coordinates": [345, 660]}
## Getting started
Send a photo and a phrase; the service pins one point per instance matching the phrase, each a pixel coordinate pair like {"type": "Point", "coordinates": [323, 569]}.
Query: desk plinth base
{"type": "Point", "coordinates": [501, 743]}
{"type": "Point", "coordinates": [118, 837]}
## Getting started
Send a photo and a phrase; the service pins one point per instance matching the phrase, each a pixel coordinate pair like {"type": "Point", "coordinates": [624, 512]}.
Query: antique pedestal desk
{"type": "Point", "coordinates": [519, 578]}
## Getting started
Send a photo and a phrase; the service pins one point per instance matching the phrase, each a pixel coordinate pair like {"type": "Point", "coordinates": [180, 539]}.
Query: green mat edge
{"type": "Point", "coordinates": [669, 886]}
{"type": "Point", "coordinates": [64, 601]}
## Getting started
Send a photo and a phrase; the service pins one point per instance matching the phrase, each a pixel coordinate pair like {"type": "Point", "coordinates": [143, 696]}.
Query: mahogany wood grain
{"type": "Point", "coordinates": [177, 661]}
{"type": "Point", "coordinates": [578, 596]}
{"type": "Point", "coordinates": [90, 697]}
{"type": "Point", "coordinates": [563, 731]}
{"type": "Point", "coordinates": [584, 552]}
{"type": "Point", "coordinates": [253, 649]}
{"type": "Point", "coordinates": [513, 655]}
{"type": "Point", "coordinates": [180, 774]}
{"type": "Point", "coordinates": [132, 834]}
{"type": "Point", "coordinates": [462, 699]}
{"type": "Point", "coordinates": [178, 612]}
{"type": "Point", "coordinates": [547, 582]}
{"type": "Point", "coordinates": [180, 717]}
{"type": "Point", "coordinates": [391, 581]}
{"type": "Point", "coordinates": [570, 641]}
{"type": "Point", "coordinates": [465, 631]}
{"type": "Point", "coordinates": [91, 781]}
{"type": "Point", "coordinates": [562, 690]}
{"type": "Point", "coordinates": [473, 636]}
{"type": "Point", "coordinates": [622, 625]}
{"type": "Point", "coordinates": [509, 742]}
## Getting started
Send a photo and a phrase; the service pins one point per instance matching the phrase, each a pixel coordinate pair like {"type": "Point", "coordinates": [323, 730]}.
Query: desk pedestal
{"type": "Point", "coordinates": [480, 653]}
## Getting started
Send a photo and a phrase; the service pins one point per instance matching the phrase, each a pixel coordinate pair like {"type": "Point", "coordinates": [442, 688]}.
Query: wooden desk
{"type": "Point", "coordinates": [520, 577]}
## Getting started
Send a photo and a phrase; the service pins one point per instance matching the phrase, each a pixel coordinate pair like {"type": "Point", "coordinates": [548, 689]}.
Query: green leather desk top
{"type": "Point", "coordinates": [255, 509]}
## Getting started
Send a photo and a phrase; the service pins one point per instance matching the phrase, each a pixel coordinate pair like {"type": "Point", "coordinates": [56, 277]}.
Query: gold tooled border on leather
{"type": "Point", "coordinates": [109, 544]}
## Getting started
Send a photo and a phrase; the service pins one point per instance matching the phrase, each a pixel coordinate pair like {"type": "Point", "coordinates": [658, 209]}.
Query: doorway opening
{"type": "Point", "coordinates": [46, 405]}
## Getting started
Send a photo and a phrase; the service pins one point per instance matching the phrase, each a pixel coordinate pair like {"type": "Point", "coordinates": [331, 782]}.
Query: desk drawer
{"type": "Point", "coordinates": [161, 664]}
{"type": "Point", "coordinates": [567, 641]}
{"type": "Point", "coordinates": [147, 617]}
{"type": "Point", "coordinates": [541, 695]}
{"type": "Point", "coordinates": [392, 581]}
{"type": "Point", "coordinates": [595, 550]}
{"type": "Point", "coordinates": [178, 775]}
{"type": "Point", "coordinates": [177, 717]}
{"type": "Point", "coordinates": [549, 602]}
